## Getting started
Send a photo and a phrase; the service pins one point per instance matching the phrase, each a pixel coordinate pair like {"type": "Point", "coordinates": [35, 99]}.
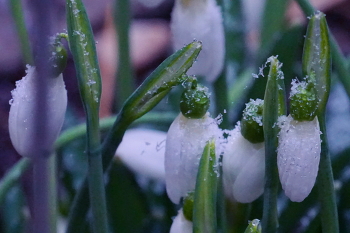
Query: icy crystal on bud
{"type": "Point", "coordinates": [243, 168]}
{"type": "Point", "coordinates": [200, 20]}
{"type": "Point", "coordinates": [21, 116]}
{"type": "Point", "coordinates": [185, 142]}
{"type": "Point", "coordinates": [298, 156]}
{"type": "Point", "coordinates": [181, 224]}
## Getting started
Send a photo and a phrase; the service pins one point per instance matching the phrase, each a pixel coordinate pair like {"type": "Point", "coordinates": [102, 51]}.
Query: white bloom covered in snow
{"type": "Point", "coordinates": [200, 20]}
{"type": "Point", "coordinates": [142, 150]}
{"type": "Point", "coordinates": [243, 168]}
{"type": "Point", "coordinates": [185, 143]}
{"type": "Point", "coordinates": [298, 156]}
{"type": "Point", "coordinates": [181, 224]}
{"type": "Point", "coordinates": [21, 117]}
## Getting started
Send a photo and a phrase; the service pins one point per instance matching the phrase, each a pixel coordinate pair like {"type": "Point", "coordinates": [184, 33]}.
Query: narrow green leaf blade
{"type": "Point", "coordinates": [204, 209]}
{"type": "Point", "coordinates": [274, 106]}
{"type": "Point", "coordinates": [317, 56]}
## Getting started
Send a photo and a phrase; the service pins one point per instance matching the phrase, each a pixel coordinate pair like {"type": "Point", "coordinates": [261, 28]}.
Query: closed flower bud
{"type": "Point", "coordinates": [181, 224]}
{"type": "Point", "coordinates": [298, 156]}
{"type": "Point", "coordinates": [21, 117]}
{"type": "Point", "coordinates": [243, 168]}
{"type": "Point", "coordinates": [200, 20]}
{"type": "Point", "coordinates": [185, 142]}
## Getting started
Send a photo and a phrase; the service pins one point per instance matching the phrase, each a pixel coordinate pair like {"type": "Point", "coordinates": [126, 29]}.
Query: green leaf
{"type": "Point", "coordinates": [127, 207]}
{"type": "Point", "coordinates": [204, 209]}
{"type": "Point", "coordinates": [317, 57]}
{"type": "Point", "coordinates": [274, 106]}
{"type": "Point", "coordinates": [159, 83]}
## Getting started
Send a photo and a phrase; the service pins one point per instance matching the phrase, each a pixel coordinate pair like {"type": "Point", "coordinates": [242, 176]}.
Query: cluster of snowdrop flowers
{"type": "Point", "coordinates": [244, 156]}
{"type": "Point", "coordinates": [200, 20]}
{"type": "Point", "coordinates": [299, 142]}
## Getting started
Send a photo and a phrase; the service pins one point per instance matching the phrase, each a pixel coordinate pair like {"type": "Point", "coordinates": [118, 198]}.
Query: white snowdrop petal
{"type": "Point", "coordinates": [142, 150]}
{"type": "Point", "coordinates": [21, 116]}
{"type": "Point", "coordinates": [249, 184]}
{"type": "Point", "coordinates": [185, 142]}
{"type": "Point", "coordinates": [298, 157]}
{"type": "Point", "coordinates": [181, 224]}
{"type": "Point", "coordinates": [243, 168]}
{"type": "Point", "coordinates": [200, 20]}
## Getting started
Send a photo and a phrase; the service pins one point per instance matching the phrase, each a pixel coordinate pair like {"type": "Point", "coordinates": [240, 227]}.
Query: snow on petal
{"type": "Point", "coordinates": [298, 157]}
{"type": "Point", "coordinates": [185, 142]}
{"type": "Point", "coordinates": [142, 151]}
{"type": "Point", "coordinates": [181, 224]}
{"type": "Point", "coordinates": [21, 116]}
{"type": "Point", "coordinates": [243, 168]}
{"type": "Point", "coordinates": [200, 20]}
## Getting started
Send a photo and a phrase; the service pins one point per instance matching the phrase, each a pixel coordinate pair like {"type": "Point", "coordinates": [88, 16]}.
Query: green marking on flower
{"type": "Point", "coordinates": [251, 123]}
{"type": "Point", "coordinates": [195, 102]}
{"type": "Point", "coordinates": [303, 99]}
{"type": "Point", "coordinates": [188, 205]}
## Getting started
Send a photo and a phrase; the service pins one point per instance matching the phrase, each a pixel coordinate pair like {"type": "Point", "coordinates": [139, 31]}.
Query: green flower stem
{"type": "Point", "coordinates": [272, 22]}
{"type": "Point", "coordinates": [82, 45]}
{"type": "Point", "coordinates": [274, 106]}
{"type": "Point", "coordinates": [325, 183]}
{"type": "Point", "coordinates": [106, 123]}
{"type": "Point", "coordinates": [340, 62]}
{"type": "Point", "coordinates": [12, 177]}
{"type": "Point", "coordinates": [124, 77]}
{"type": "Point", "coordinates": [221, 100]}
{"type": "Point", "coordinates": [17, 14]}
{"type": "Point", "coordinates": [204, 208]}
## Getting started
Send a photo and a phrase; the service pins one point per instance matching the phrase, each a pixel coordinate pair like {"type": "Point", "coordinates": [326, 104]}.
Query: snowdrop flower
{"type": "Point", "coordinates": [142, 151]}
{"type": "Point", "coordinates": [298, 156]}
{"type": "Point", "coordinates": [299, 142]}
{"type": "Point", "coordinates": [185, 143]}
{"type": "Point", "coordinates": [181, 224]}
{"type": "Point", "coordinates": [186, 139]}
{"type": "Point", "coordinates": [243, 168]}
{"type": "Point", "coordinates": [200, 20]}
{"type": "Point", "coordinates": [244, 156]}
{"type": "Point", "coordinates": [21, 116]}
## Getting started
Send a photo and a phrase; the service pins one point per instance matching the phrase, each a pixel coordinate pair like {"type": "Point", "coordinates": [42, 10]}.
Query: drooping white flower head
{"type": "Point", "coordinates": [185, 143]}
{"type": "Point", "coordinates": [21, 116]}
{"type": "Point", "coordinates": [181, 224]}
{"type": "Point", "coordinates": [243, 168]}
{"type": "Point", "coordinates": [200, 20]}
{"type": "Point", "coordinates": [142, 150]}
{"type": "Point", "coordinates": [298, 156]}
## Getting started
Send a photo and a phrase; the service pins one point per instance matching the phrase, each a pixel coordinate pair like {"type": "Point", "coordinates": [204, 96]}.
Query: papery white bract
{"type": "Point", "coordinates": [200, 20]}
{"type": "Point", "coordinates": [243, 168]}
{"type": "Point", "coordinates": [142, 150]}
{"type": "Point", "coordinates": [21, 116]}
{"type": "Point", "coordinates": [298, 156]}
{"type": "Point", "coordinates": [185, 143]}
{"type": "Point", "coordinates": [181, 224]}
